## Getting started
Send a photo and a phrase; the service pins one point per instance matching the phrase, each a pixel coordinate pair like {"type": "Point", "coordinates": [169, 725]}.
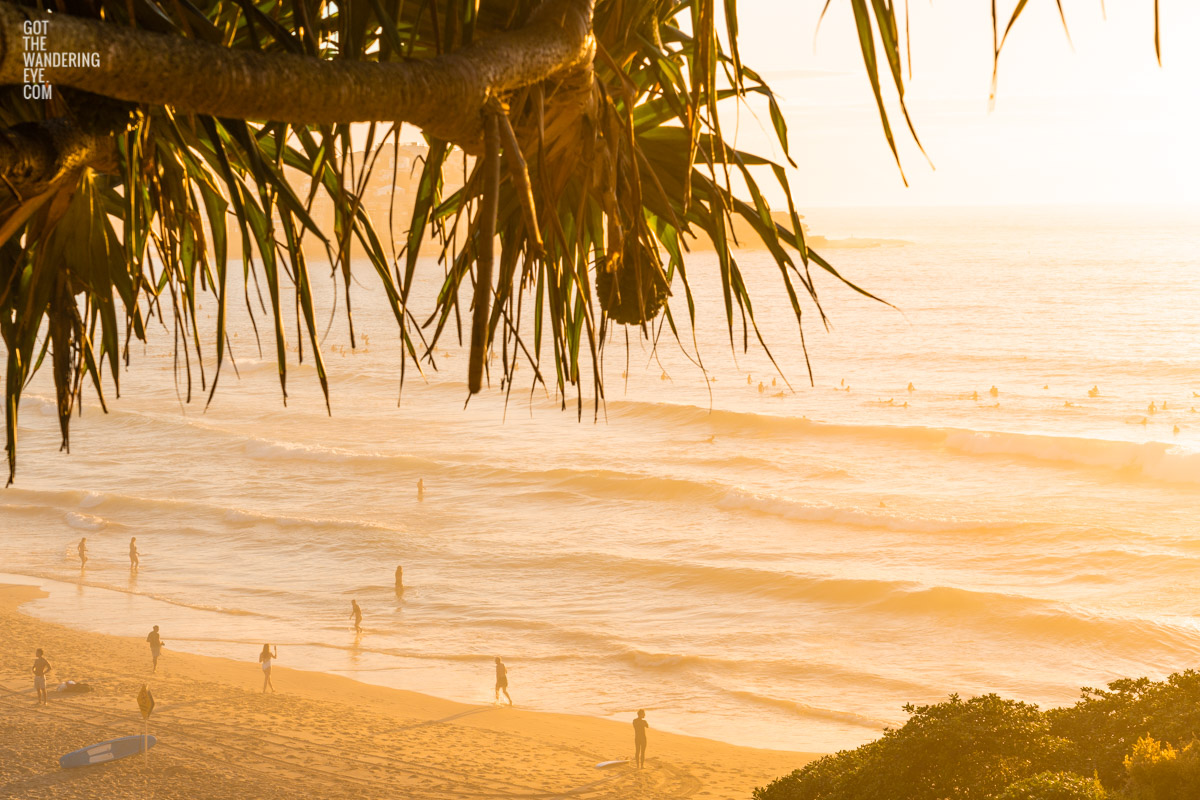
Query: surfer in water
{"type": "Point", "coordinates": [399, 579]}
{"type": "Point", "coordinates": [133, 554]}
{"type": "Point", "coordinates": [502, 680]}
{"type": "Point", "coordinates": [265, 657]}
{"type": "Point", "coordinates": [40, 667]}
{"type": "Point", "coordinates": [639, 738]}
{"type": "Point", "coordinates": [82, 548]}
{"type": "Point", "coordinates": [156, 646]}
{"type": "Point", "coordinates": [356, 613]}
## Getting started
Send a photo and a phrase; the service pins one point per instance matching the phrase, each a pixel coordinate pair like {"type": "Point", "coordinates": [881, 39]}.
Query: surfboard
{"type": "Point", "coordinates": [106, 751]}
{"type": "Point", "coordinates": [604, 764]}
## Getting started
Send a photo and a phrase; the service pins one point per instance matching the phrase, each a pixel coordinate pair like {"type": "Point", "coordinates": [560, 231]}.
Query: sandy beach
{"type": "Point", "coordinates": [321, 736]}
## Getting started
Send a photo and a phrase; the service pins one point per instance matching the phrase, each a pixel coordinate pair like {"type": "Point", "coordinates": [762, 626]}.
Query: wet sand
{"type": "Point", "coordinates": [321, 736]}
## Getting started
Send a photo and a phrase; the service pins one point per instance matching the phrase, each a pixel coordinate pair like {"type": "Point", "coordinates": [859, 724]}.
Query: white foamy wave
{"type": "Point", "coordinates": [1157, 460]}
{"type": "Point", "coordinates": [86, 522]}
{"type": "Point", "coordinates": [857, 517]}
{"type": "Point", "coordinates": [805, 710]}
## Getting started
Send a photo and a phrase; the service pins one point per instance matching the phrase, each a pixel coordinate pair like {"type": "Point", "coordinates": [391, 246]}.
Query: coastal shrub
{"type": "Point", "coordinates": [1055, 786]}
{"type": "Point", "coordinates": [1158, 771]}
{"type": "Point", "coordinates": [967, 750]}
{"type": "Point", "coordinates": [1105, 724]}
{"type": "Point", "coordinates": [1136, 738]}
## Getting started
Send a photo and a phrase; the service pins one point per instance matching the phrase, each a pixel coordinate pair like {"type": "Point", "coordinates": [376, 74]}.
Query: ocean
{"type": "Point", "coordinates": [784, 567]}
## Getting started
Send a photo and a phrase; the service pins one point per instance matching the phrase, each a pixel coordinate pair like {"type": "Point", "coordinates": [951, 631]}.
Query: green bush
{"type": "Point", "coordinates": [1055, 786]}
{"type": "Point", "coordinates": [967, 750]}
{"type": "Point", "coordinates": [1136, 738]}
{"type": "Point", "coordinates": [1157, 771]}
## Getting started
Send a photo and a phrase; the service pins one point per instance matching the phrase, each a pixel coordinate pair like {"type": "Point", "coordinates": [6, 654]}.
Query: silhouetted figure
{"type": "Point", "coordinates": [356, 613]}
{"type": "Point", "coordinates": [1153, 409]}
{"type": "Point", "coordinates": [994, 392]}
{"type": "Point", "coordinates": [639, 738]}
{"type": "Point", "coordinates": [82, 548]}
{"type": "Point", "coordinates": [502, 680]}
{"type": "Point", "coordinates": [40, 667]}
{"type": "Point", "coordinates": [133, 554]}
{"type": "Point", "coordinates": [1094, 391]}
{"type": "Point", "coordinates": [420, 489]}
{"type": "Point", "coordinates": [911, 388]}
{"type": "Point", "coordinates": [399, 579]}
{"type": "Point", "coordinates": [265, 658]}
{"type": "Point", "coordinates": [156, 646]}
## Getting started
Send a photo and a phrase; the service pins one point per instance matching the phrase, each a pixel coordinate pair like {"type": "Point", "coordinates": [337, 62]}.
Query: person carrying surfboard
{"type": "Point", "coordinates": [502, 680]}
{"type": "Point", "coordinates": [40, 667]}
{"type": "Point", "coordinates": [639, 738]}
{"type": "Point", "coordinates": [265, 658]}
{"type": "Point", "coordinates": [156, 646]}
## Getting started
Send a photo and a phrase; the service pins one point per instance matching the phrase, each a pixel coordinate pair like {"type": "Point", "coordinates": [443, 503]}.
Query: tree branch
{"type": "Point", "coordinates": [443, 96]}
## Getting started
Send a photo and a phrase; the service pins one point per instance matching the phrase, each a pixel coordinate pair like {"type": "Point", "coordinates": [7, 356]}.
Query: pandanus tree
{"type": "Point", "coordinates": [158, 162]}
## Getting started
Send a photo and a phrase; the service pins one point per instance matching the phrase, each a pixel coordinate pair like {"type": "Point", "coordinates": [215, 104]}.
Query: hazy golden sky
{"type": "Point", "coordinates": [1096, 123]}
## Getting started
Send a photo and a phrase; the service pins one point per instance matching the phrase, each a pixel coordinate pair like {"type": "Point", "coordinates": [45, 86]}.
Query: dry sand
{"type": "Point", "coordinates": [321, 736]}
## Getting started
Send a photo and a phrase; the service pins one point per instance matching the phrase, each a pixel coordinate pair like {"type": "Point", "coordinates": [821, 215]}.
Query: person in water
{"type": "Point", "coordinates": [639, 738]}
{"type": "Point", "coordinates": [502, 680]}
{"type": "Point", "coordinates": [40, 667]}
{"type": "Point", "coordinates": [133, 554]}
{"type": "Point", "coordinates": [356, 613]}
{"type": "Point", "coordinates": [82, 548]}
{"type": "Point", "coordinates": [420, 489]}
{"type": "Point", "coordinates": [156, 646]}
{"type": "Point", "coordinates": [399, 579]}
{"type": "Point", "coordinates": [265, 657]}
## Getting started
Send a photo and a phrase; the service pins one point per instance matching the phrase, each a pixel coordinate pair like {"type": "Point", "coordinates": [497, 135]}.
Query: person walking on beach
{"type": "Point", "coordinates": [82, 548]}
{"type": "Point", "coordinates": [40, 667]}
{"type": "Point", "coordinates": [156, 646]}
{"type": "Point", "coordinates": [265, 657]}
{"type": "Point", "coordinates": [356, 613]}
{"type": "Point", "coordinates": [502, 680]}
{"type": "Point", "coordinates": [639, 738]}
{"type": "Point", "coordinates": [400, 579]}
{"type": "Point", "coordinates": [133, 554]}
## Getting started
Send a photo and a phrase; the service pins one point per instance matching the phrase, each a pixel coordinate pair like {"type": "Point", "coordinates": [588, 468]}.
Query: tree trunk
{"type": "Point", "coordinates": [443, 96]}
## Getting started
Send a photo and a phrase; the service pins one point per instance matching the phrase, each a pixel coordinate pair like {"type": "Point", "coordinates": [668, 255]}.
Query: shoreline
{"type": "Point", "coordinates": [338, 736]}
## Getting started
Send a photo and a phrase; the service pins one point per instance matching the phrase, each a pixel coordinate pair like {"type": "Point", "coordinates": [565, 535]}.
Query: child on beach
{"type": "Point", "coordinates": [265, 658]}
{"type": "Point", "coordinates": [156, 646]}
{"type": "Point", "coordinates": [356, 613]}
{"type": "Point", "coordinates": [40, 667]}
{"type": "Point", "coordinates": [639, 738]}
{"type": "Point", "coordinates": [501, 680]}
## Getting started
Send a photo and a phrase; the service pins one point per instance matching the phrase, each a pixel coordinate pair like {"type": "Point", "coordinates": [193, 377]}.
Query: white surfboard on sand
{"type": "Point", "coordinates": [604, 764]}
{"type": "Point", "coordinates": [107, 751]}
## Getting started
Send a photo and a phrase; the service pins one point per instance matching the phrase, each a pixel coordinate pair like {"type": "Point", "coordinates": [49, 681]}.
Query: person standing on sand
{"type": "Point", "coordinates": [502, 680]}
{"type": "Point", "coordinates": [40, 667]}
{"type": "Point", "coordinates": [133, 554]}
{"type": "Point", "coordinates": [265, 658]}
{"type": "Point", "coordinates": [639, 738]}
{"type": "Point", "coordinates": [356, 613]}
{"type": "Point", "coordinates": [82, 548]}
{"type": "Point", "coordinates": [156, 646]}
